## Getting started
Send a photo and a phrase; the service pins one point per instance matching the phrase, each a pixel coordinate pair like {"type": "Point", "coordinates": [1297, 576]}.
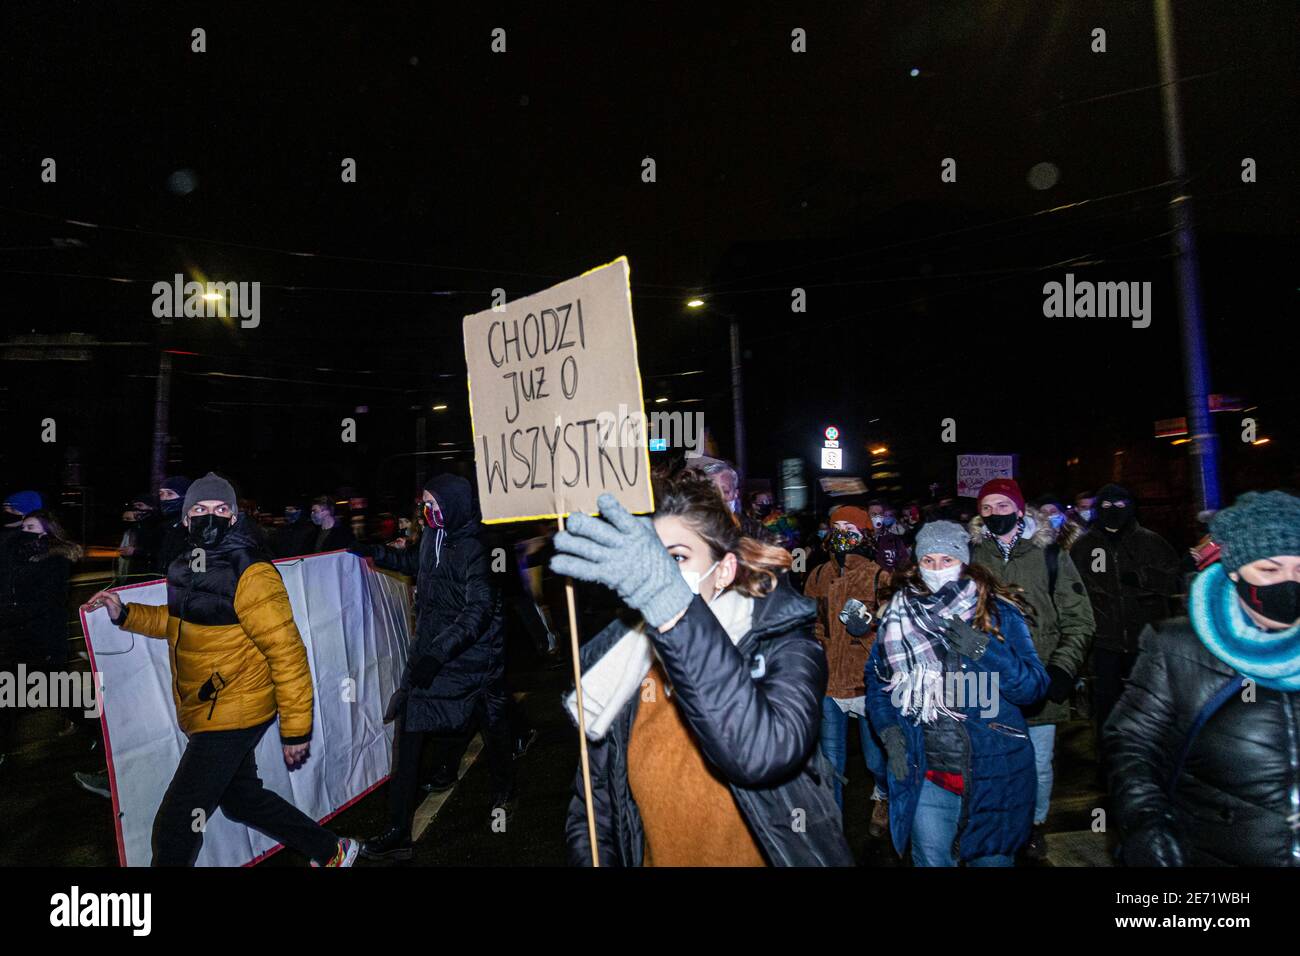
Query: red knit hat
{"type": "Point", "coordinates": [852, 514]}
{"type": "Point", "coordinates": [1003, 486]}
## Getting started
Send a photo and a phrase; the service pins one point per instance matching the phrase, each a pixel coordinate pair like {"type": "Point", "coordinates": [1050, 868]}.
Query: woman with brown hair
{"type": "Point", "coordinates": [952, 665]}
{"type": "Point", "coordinates": [703, 713]}
{"type": "Point", "coordinates": [36, 610]}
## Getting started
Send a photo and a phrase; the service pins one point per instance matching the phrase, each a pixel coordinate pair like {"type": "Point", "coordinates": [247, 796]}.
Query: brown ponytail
{"type": "Point", "coordinates": [695, 500]}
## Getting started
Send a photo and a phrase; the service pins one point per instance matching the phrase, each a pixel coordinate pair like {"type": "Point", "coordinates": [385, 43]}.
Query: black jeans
{"type": "Point", "coordinates": [218, 769]}
{"type": "Point", "coordinates": [1110, 671]}
{"type": "Point", "coordinates": [491, 715]}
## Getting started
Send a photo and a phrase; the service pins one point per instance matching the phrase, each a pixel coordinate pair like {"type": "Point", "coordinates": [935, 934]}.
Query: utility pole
{"type": "Point", "coordinates": [161, 419]}
{"type": "Point", "coordinates": [1204, 445]}
{"type": "Point", "coordinates": [738, 398]}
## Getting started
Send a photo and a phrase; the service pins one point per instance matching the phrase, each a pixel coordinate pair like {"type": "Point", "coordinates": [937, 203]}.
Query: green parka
{"type": "Point", "coordinates": [1062, 623]}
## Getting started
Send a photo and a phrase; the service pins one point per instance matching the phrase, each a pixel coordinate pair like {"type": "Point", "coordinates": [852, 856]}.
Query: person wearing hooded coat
{"type": "Point", "coordinates": [173, 539]}
{"type": "Point", "coordinates": [1132, 576]}
{"type": "Point", "coordinates": [456, 669]}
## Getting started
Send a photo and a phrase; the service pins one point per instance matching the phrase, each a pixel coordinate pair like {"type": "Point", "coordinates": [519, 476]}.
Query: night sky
{"type": "Point", "coordinates": [774, 170]}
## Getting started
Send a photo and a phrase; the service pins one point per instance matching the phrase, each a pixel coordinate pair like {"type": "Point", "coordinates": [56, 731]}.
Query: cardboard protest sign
{"type": "Point", "coordinates": [974, 470]}
{"type": "Point", "coordinates": [555, 400]}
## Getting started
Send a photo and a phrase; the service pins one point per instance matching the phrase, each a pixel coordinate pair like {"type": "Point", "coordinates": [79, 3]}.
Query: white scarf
{"type": "Point", "coordinates": [611, 683]}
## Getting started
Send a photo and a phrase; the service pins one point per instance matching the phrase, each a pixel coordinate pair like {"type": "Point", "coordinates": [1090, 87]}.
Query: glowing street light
{"type": "Point", "coordinates": [695, 304]}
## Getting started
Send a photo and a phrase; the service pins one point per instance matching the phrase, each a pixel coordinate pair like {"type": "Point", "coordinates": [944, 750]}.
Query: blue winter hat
{"type": "Point", "coordinates": [25, 502]}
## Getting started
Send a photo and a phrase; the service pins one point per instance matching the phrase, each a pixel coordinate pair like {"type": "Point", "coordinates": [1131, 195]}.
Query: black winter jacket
{"type": "Point", "coordinates": [295, 539]}
{"type": "Point", "coordinates": [1130, 582]}
{"type": "Point", "coordinates": [34, 611]}
{"type": "Point", "coordinates": [1240, 782]}
{"type": "Point", "coordinates": [457, 611]}
{"type": "Point", "coordinates": [754, 708]}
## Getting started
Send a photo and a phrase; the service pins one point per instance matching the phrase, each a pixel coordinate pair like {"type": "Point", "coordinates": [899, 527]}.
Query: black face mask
{"type": "Point", "coordinates": [1278, 602]}
{"type": "Point", "coordinates": [1113, 519]}
{"type": "Point", "coordinates": [1001, 524]}
{"type": "Point", "coordinates": [171, 507]}
{"type": "Point", "coordinates": [207, 530]}
{"type": "Point", "coordinates": [30, 542]}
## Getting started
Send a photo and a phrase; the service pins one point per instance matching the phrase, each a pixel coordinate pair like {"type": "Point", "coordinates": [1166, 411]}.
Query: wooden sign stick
{"type": "Point", "coordinates": [582, 721]}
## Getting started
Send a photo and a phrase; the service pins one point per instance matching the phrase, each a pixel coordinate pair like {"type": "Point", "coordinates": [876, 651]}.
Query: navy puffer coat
{"type": "Point", "coordinates": [998, 803]}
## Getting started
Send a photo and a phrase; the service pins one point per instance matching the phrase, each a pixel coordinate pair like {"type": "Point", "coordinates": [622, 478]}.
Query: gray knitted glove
{"type": "Point", "coordinates": [896, 752]}
{"type": "Point", "coordinates": [623, 552]}
{"type": "Point", "coordinates": [966, 640]}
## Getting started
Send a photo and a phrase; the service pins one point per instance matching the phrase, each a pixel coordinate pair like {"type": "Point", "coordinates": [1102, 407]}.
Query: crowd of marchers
{"type": "Point", "coordinates": [744, 644]}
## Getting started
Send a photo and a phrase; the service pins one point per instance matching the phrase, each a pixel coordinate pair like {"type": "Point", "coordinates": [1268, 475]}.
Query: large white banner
{"type": "Point", "coordinates": [354, 622]}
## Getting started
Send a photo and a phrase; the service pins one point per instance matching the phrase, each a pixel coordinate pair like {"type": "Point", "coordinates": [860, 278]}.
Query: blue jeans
{"type": "Point", "coordinates": [1043, 737]}
{"type": "Point", "coordinates": [835, 745]}
{"type": "Point", "coordinates": [935, 827]}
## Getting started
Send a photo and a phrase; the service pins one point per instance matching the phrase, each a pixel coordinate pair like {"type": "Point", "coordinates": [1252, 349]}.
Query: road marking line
{"type": "Point", "coordinates": [428, 810]}
{"type": "Point", "coordinates": [433, 802]}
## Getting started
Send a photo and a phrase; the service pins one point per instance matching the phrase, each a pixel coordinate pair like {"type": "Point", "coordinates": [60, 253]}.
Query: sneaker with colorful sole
{"type": "Point", "coordinates": [345, 855]}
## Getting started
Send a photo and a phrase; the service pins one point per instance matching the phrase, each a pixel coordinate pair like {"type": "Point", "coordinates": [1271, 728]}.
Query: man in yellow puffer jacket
{"type": "Point", "coordinates": [237, 662]}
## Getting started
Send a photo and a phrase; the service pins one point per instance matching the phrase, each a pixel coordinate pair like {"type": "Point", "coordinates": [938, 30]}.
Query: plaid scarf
{"type": "Point", "coordinates": [913, 631]}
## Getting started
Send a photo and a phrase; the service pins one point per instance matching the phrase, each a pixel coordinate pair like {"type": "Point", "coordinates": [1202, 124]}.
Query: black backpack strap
{"type": "Point", "coordinates": [1233, 684]}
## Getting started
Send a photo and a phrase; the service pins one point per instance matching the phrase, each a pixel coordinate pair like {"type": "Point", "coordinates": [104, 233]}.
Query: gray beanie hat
{"type": "Point", "coordinates": [1260, 524]}
{"type": "Point", "coordinates": [943, 537]}
{"type": "Point", "coordinates": [211, 487]}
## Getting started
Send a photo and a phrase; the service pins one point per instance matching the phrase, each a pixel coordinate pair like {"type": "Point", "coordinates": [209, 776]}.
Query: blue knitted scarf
{"type": "Point", "coordinates": [1270, 658]}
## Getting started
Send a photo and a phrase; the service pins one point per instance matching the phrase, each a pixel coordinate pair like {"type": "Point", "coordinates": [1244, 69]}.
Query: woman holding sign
{"type": "Point", "coordinates": [702, 716]}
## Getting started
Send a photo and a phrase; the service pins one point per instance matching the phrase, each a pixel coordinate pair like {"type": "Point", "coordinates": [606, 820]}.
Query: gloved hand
{"type": "Point", "coordinates": [365, 550]}
{"type": "Point", "coordinates": [966, 639]}
{"type": "Point", "coordinates": [423, 670]}
{"type": "Point", "coordinates": [1152, 845]}
{"type": "Point", "coordinates": [1061, 687]}
{"type": "Point", "coordinates": [623, 552]}
{"type": "Point", "coordinates": [896, 752]}
{"type": "Point", "coordinates": [855, 617]}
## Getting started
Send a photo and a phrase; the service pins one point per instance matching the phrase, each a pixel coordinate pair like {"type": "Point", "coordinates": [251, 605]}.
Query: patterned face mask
{"type": "Point", "coordinates": [844, 540]}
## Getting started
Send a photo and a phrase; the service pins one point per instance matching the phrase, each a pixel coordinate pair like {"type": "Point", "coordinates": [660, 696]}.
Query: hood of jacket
{"type": "Point", "coordinates": [1038, 530]}
{"type": "Point", "coordinates": [460, 512]}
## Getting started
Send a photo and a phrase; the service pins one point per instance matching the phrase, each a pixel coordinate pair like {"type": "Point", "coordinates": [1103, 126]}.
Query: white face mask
{"type": "Point", "coordinates": [1085, 513]}
{"type": "Point", "coordinates": [693, 578]}
{"type": "Point", "coordinates": [934, 580]}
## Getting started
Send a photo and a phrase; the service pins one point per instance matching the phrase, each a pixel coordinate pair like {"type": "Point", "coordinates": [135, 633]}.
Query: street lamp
{"type": "Point", "coordinates": [737, 383]}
